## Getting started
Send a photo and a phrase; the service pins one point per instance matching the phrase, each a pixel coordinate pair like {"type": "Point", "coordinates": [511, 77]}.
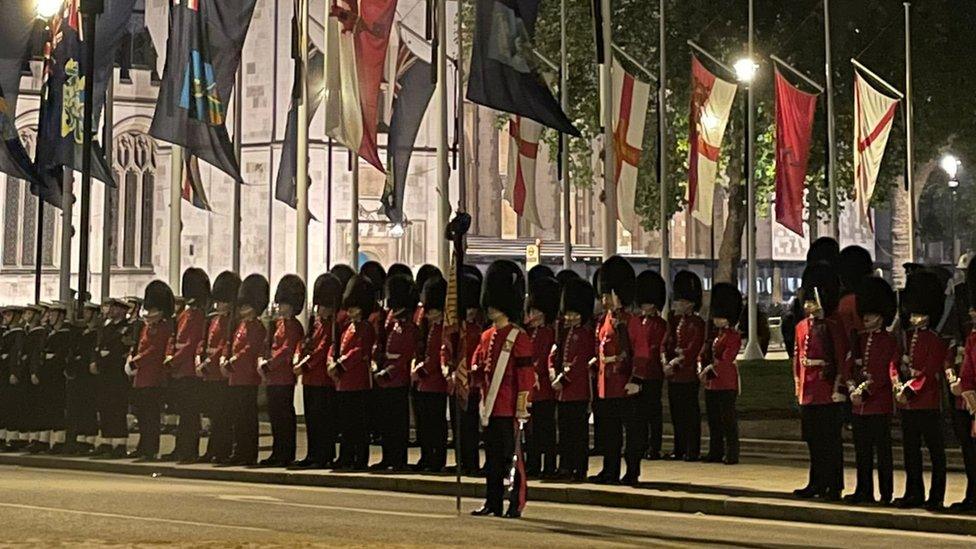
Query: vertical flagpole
{"type": "Point", "coordinates": [662, 136]}
{"type": "Point", "coordinates": [175, 213]}
{"type": "Point", "coordinates": [443, 169]}
{"type": "Point", "coordinates": [354, 213]}
{"type": "Point", "coordinates": [67, 232]}
{"type": "Point", "coordinates": [753, 351]}
{"type": "Point", "coordinates": [108, 135]}
{"type": "Point", "coordinates": [301, 163]}
{"type": "Point", "coordinates": [39, 250]}
{"type": "Point", "coordinates": [235, 244]}
{"type": "Point", "coordinates": [909, 132]}
{"type": "Point", "coordinates": [831, 136]}
{"type": "Point", "coordinates": [462, 149]}
{"type": "Point", "coordinates": [609, 171]}
{"type": "Point", "coordinates": [328, 208]}
{"type": "Point", "coordinates": [90, 10]}
{"type": "Point", "coordinates": [564, 140]}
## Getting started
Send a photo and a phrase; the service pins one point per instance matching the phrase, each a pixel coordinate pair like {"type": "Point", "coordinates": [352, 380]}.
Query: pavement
{"type": "Point", "coordinates": [757, 488]}
{"type": "Point", "coordinates": [51, 508]}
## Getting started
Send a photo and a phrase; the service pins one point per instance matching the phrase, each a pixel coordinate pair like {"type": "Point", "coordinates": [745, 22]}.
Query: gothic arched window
{"type": "Point", "coordinates": [131, 203]}
{"type": "Point", "coordinates": [20, 220]}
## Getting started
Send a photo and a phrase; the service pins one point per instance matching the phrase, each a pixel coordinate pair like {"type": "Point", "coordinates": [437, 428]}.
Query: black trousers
{"type": "Point", "coordinates": [470, 459]}
{"type": "Point", "coordinates": [49, 403]}
{"type": "Point", "coordinates": [649, 410]}
{"type": "Point", "coordinates": [5, 402]}
{"type": "Point", "coordinates": [962, 425]}
{"type": "Point", "coordinates": [685, 418]}
{"type": "Point", "coordinates": [574, 437]}
{"type": "Point", "coordinates": [320, 423]}
{"type": "Point", "coordinates": [918, 426]}
{"type": "Point", "coordinates": [616, 415]}
{"type": "Point", "coordinates": [244, 422]}
{"type": "Point", "coordinates": [872, 437]}
{"type": "Point", "coordinates": [281, 413]}
{"type": "Point", "coordinates": [354, 446]}
{"type": "Point", "coordinates": [187, 393]}
{"type": "Point", "coordinates": [82, 419]}
{"type": "Point", "coordinates": [723, 424]}
{"type": "Point", "coordinates": [540, 438]}
{"type": "Point", "coordinates": [430, 411]}
{"type": "Point", "coordinates": [499, 451]}
{"type": "Point", "coordinates": [393, 422]}
{"type": "Point", "coordinates": [112, 404]}
{"type": "Point", "coordinates": [821, 426]}
{"type": "Point", "coordinates": [147, 404]}
{"type": "Point", "coordinates": [218, 406]}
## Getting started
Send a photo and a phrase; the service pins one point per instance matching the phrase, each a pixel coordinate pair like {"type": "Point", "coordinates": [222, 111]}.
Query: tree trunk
{"type": "Point", "coordinates": [901, 204]}
{"type": "Point", "coordinates": [730, 253]}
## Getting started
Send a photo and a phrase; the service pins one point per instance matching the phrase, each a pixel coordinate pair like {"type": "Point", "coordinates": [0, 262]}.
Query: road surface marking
{"type": "Point", "coordinates": [131, 517]}
{"type": "Point", "coordinates": [271, 501]}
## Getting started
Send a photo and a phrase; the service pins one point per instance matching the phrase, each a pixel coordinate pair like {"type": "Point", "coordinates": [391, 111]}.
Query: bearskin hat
{"type": "Point", "coordinates": [427, 271]}
{"type": "Point", "coordinates": [688, 286]}
{"type": "Point", "coordinates": [924, 295]}
{"type": "Point", "coordinates": [399, 269]}
{"type": "Point", "coordinates": [434, 294]}
{"type": "Point", "coordinates": [564, 275]}
{"type": "Point", "coordinates": [578, 297]}
{"type": "Point", "coordinates": [544, 296]}
{"type": "Point", "coordinates": [617, 276]}
{"type": "Point", "coordinates": [473, 271]}
{"type": "Point", "coordinates": [159, 296]}
{"type": "Point", "coordinates": [254, 293]}
{"type": "Point", "coordinates": [537, 272]}
{"type": "Point", "coordinates": [196, 286]}
{"type": "Point", "coordinates": [376, 274]}
{"type": "Point", "coordinates": [343, 272]}
{"type": "Point", "coordinates": [504, 289]}
{"type": "Point", "coordinates": [821, 278]}
{"type": "Point", "coordinates": [470, 297]}
{"type": "Point", "coordinates": [651, 289]}
{"type": "Point", "coordinates": [328, 291]}
{"type": "Point", "coordinates": [401, 293]}
{"type": "Point", "coordinates": [359, 293]}
{"type": "Point", "coordinates": [853, 266]}
{"type": "Point", "coordinates": [225, 287]}
{"type": "Point", "coordinates": [823, 249]}
{"type": "Point", "coordinates": [726, 302]}
{"type": "Point", "coordinates": [291, 290]}
{"type": "Point", "coordinates": [875, 296]}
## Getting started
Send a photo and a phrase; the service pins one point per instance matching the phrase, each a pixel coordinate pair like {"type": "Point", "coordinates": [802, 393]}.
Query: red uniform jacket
{"type": "Point", "coordinates": [430, 378]}
{"type": "Point", "coordinates": [720, 355]}
{"type": "Point", "coordinates": [250, 343]}
{"type": "Point", "coordinates": [402, 341]}
{"type": "Point", "coordinates": [614, 368]}
{"type": "Point", "coordinates": [379, 319]}
{"type": "Point", "coordinates": [315, 370]}
{"type": "Point", "coordinates": [191, 328]}
{"type": "Point", "coordinates": [149, 357]}
{"type": "Point", "coordinates": [472, 336]}
{"type": "Point", "coordinates": [287, 339]}
{"type": "Point", "coordinates": [847, 315]}
{"type": "Point", "coordinates": [921, 369]}
{"type": "Point", "coordinates": [870, 365]}
{"type": "Point", "coordinates": [519, 375]}
{"type": "Point", "coordinates": [543, 339]}
{"type": "Point", "coordinates": [821, 350]}
{"type": "Point", "coordinates": [355, 357]}
{"type": "Point", "coordinates": [649, 333]}
{"type": "Point", "coordinates": [967, 373]}
{"type": "Point", "coordinates": [686, 336]}
{"type": "Point", "coordinates": [218, 338]}
{"type": "Point", "coordinates": [570, 363]}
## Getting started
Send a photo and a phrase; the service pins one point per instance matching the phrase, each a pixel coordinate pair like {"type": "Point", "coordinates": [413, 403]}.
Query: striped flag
{"type": "Point", "coordinates": [523, 151]}
{"type": "Point", "coordinates": [193, 191]}
{"type": "Point", "coordinates": [711, 103]}
{"type": "Point", "coordinates": [630, 99]}
{"type": "Point", "coordinates": [874, 114]}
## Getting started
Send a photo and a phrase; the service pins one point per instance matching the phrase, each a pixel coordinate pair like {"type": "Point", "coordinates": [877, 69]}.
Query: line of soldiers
{"type": "Point", "coordinates": [863, 352]}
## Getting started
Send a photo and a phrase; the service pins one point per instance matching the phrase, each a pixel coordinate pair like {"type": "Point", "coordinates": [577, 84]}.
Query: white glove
{"type": "Point", "coordinates": [93, 369]}
{"type": "Point", "coordinates": [956, 387]}
{"type": "Point", "coordinates": [104, 353]}
{"type": "Point", "coordinates": [668, 370]}
{"type": "Point", "coordinates": [35, 380]}
{"type": "Point", "coordinates": [14, 380]}
{"type": "Point", "coordinates": [838, 397]}
{"type": "Point", "coordinates": [857, 398]}
{"type": "Point", "coordinates": [129, 370]}
{"type": "Point", "coordinates": [48, 356]}
{"type": "Point", "coordinates": [552, 375]}
{"type": "Point", "coordinates": [631, 389]}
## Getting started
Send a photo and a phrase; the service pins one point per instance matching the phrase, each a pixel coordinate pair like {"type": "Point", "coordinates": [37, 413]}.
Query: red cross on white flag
{"type": "Point", "coordinates": [630, 98]}
{"type": "Point", "coordinates": [711, 103]}
{"type": "Point", "coordinates": [874, 114]}
{"type": "Point", "coordinates": [523, 151]}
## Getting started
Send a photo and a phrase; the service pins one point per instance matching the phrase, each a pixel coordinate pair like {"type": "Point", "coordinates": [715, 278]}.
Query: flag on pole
{"type": "Point", "coordinates": [874, 114]}
{"type": "Point", "coordinates": [358, 33]}
{"type": "Point", "coordinates": [523, 151]}
{"type": "Point", "coordinates": [795, 110]}
{"type": "Point", "coordinates": [193, 191]}
{"type": "Point", "coordinates": [15, 31]}
{"type": "Point", "coordinates": [203, 53]}
{"type": "Point", "coordinates": [711, 103]}
{"type": "Point", "coordinates": [630, 99]}
{"type": "Point", "coordinates": [285, 189]}
{"type": "Point", "coordinates": [503, 73]}
{"type": "Point", "coordinates": [157, 23]}
{"type": "Point", "coordinates": [412, 93]}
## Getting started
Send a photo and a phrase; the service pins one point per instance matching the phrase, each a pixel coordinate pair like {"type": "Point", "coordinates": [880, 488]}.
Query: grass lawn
{"type": "Point", "coordinates": [767, 390]}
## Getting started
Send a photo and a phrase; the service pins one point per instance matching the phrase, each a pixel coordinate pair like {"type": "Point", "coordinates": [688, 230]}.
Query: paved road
{"type": "Point", "coordinates": [48, 508]}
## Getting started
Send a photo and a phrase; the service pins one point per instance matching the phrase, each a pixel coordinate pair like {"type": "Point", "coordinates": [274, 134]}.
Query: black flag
{"type": "Point", "coordinates": [503, 75]}
{"type": "Point", "coordinates": [15, 31]}
{"type": "Point", "coordinates": [285, 190]}
{"type": "Point", "coordinates": [202, 56]}
{"type": "Point", "coordinates": [411, 96]}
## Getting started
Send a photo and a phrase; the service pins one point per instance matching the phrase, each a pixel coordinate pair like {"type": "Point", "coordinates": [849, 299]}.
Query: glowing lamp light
{"type": "Point", "coordinates": [46, 9]}
{"type": "Point", "coordinates": [950, 165]}
{"type": "Point", "coordinates": [745, 70]}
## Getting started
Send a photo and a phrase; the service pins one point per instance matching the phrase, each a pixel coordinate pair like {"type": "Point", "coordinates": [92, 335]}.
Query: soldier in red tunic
{"type": "Point", "coordinates": [720, 374]}
{"type": "Point", "coordinates": [569, 372]}
{"type": "Point", "coordinates": [652, 330]}
{"type": "Point", "coordinates": [820, 372]}
{"type": "Point", "coordinates": [277, 371]}
{"type": "Point", "coordinates": [318, 388]}
{"type": "Point", "coordinates": [918, 390]}
{"type": "Point", "coordinates": [429, 381]}
{"type": "Point", "coordinates": [352, 373]}
{"type": "Point", "coordinates": [873, 351]}
{"type": "Point", "coordinates": [686, 336]}
{"type": "Point", "coordinates": [963, 387]}
{"type": "Point", "coordinates": [392, 374]}
{"type": "Point", "coordinates": [216, 394]}
{"type": "Point", "coordinates": [542, 307]}
{"type": "Point", "coordinates": [250, 343]}
{"type": "Point", "coordinates": [504, 369]}
{"type": "Point", "coordinates": [181, 361]}
{"type": "Point", "coordinates": [146, 367]}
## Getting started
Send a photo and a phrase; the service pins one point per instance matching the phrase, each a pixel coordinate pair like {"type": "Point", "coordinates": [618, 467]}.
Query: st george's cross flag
{"type": "Point", "coordinates": [523, 151]}
{"type": "Point", "coordinates": [711, 103]}
{"type": "Point", "coordinates": [795, 110]}
{"type": "Point", "coordinates": [358, 34]}
{"type": "Point", "coordinates": [874, 114]}
{"type": "Point", "coordinates": [15, 32]}
{"type": "Point", "coordinates": [630, 99]}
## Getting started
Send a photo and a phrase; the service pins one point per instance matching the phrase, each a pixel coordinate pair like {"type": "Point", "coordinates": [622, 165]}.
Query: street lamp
{"type": "Point", "coordinates": [950, 165]}
{"type": "Point", "coordinates": [745, 70]}
{"type": "Point", "coordinates": [46, 9]}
